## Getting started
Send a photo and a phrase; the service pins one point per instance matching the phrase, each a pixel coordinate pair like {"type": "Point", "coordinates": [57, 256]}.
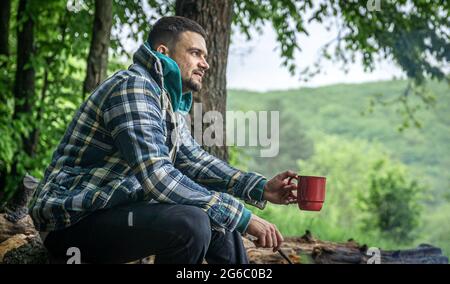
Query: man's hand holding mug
{"type": "Point", "coordinates": [308, 193]}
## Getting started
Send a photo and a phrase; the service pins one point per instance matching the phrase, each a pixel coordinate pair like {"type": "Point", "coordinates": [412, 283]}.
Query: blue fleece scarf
{"type": "Point", "coordinates": [173, 85]}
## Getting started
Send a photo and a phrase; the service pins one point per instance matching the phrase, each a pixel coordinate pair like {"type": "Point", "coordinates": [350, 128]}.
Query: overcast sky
{"type": "Point", "coordinates": [260, 69]}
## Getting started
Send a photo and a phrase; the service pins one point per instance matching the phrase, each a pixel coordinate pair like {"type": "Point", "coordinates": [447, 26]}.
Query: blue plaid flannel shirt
{"type": "Point", "coordinates": [118, 149]}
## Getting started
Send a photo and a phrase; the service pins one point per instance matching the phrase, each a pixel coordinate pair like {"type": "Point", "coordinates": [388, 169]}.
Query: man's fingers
{"type": "Point", "coordinates": [288, 196]}
{"type": "Point", "coordinates": [262, 241]}
{"type": "Point", "coordinates": [279, 240]}
{"type": "Point", "coordinates": [274, 238]}
{"type": "Point", "coordinates": [269, 241]}
{"type": "Point", "coordinates": [290, 187]}
{"type": "Point", "coordinates": [287, 174]}
{"type": "Point", "coordinates": [290, 201]}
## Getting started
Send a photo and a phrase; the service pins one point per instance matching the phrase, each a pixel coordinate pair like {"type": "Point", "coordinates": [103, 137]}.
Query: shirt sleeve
{"type": "Point", "coordinates": [215, 174]}
{"type": "Point", "coordinates": [133, 116]}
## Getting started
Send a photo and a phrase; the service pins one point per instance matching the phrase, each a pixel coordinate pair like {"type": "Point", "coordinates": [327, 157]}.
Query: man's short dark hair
{"type": "Point", "coordinates": [167, 30]}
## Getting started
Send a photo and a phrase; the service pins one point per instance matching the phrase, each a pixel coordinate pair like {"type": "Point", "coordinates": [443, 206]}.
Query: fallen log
{"type": "Point", "coordinates": [20, 243]}
{"type": "Point", "coordinates": [306, 249]}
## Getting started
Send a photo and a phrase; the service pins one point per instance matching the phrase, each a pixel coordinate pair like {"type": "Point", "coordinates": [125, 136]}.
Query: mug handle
{"type": "Point", "coordinates": [298, 183]}
{"type": "Point", "coordinates": [290, 180]}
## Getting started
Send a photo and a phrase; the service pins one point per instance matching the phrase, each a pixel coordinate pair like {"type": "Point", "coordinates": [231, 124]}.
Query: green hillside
{"type": "Point", "coordinates": [336, 120]}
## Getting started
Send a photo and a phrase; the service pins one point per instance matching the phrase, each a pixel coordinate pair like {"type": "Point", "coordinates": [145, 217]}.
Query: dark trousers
{"type": "Point", "coordinates": [174, 233]}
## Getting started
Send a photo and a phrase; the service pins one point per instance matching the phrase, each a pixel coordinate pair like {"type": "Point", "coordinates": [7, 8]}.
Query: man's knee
{"type": "Point", "coordinates": [194, 227]}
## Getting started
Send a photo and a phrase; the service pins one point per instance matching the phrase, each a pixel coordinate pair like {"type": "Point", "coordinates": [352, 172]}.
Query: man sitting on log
{"type": "Point", "coordinates": [128, 180]}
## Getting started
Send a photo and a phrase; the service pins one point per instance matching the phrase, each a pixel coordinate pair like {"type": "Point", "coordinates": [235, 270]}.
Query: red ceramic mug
{"type": "Point", "coordinates": [310, 192]}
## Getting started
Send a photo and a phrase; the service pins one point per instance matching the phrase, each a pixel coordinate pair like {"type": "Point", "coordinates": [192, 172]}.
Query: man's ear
{"type": "Point", "coordinates": [163, 49]}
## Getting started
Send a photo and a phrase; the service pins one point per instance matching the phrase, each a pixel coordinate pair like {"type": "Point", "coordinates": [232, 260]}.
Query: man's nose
{"type": "Point", "coordinates": [204, 64]}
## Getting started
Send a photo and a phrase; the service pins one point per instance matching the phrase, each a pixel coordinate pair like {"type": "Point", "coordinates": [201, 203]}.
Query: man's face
{"type": "Point", "coordinates": [190, 53]}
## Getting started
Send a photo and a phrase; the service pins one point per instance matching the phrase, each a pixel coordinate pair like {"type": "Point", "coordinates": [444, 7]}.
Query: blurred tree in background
{"type": "Point", "coordinates": [392, 204]}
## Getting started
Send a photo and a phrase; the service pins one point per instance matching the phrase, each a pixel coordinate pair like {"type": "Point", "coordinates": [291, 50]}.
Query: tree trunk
{"type": "Point", "coordinates": [215, 17]}
{"type": "Point", "coordinates": [5, 13]}
{"type": "Point", "coordinates": [98, 54]}
{"type": "Point", "coordinates": [24, 84]}
{"type": "Point", "coordinates": [35, 133]}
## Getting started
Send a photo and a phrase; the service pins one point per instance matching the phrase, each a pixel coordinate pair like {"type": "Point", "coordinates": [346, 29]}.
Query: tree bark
{"type": "Point", "coordinates": [215, 17]}
{"type": "Point", "coordinates": [97, 63]}
{"type": "Point", "coordinates": [5, 14]}
{"type": "Point", "coordinates": [24, 84]}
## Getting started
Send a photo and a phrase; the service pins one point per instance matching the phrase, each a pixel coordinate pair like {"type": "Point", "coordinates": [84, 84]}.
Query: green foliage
{"type": "Point", "coordinates": [350, 167]}
{"type": "Point", "coordinates": [435, 228]}
{"type": "Point", "coordinates": [358, 153]}
{"type": "Point", "coordinates": [58, 49]}
{"type": "Point", "coordinates": [392, 204]}
{"type": "Point", "coordinates": [236, 157]}
{"type": "Point", "coordinates": [7, 144]}
{"type": "Point", "coordinates": [62, 37]}
{"type": "Point", "coordinates": [61, 43]}
{"type": "Point", "coordinates": [409, 32]}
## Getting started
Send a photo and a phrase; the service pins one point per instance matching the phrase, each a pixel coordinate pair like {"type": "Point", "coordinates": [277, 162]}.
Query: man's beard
{"type": "Point", "coordinates": [192, 85]}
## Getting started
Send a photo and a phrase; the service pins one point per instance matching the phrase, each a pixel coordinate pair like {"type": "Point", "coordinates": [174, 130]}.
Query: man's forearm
{"type": "Point", "coordinates": [215, 174]}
